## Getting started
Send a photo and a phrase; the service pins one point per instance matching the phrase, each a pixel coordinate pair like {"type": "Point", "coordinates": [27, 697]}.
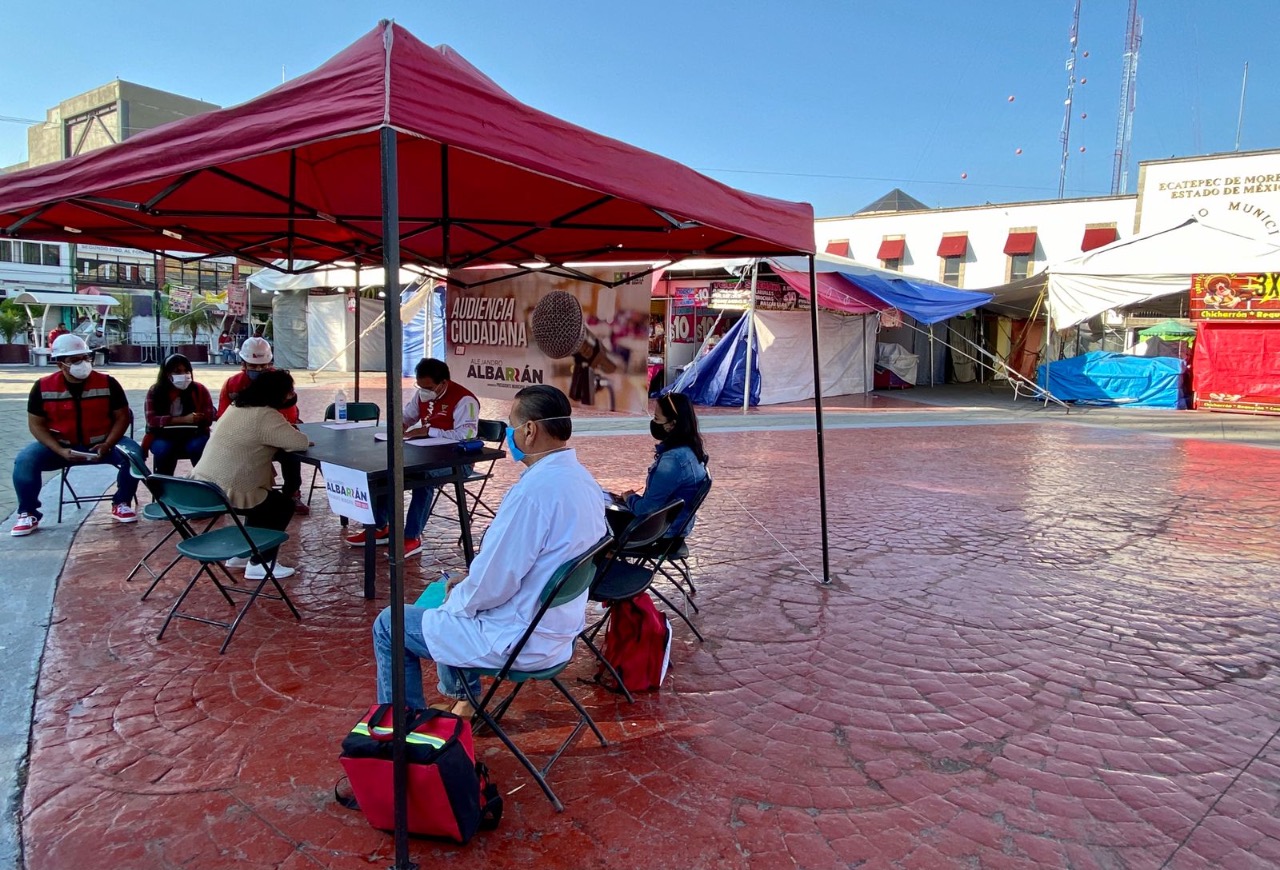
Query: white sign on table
{"type": "Point", "coordinates": [348, 491]}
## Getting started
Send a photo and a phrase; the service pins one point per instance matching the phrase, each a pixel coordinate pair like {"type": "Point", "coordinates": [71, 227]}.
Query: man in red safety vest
{"type": "Point", "coordinates": [76, 415]}
{"type": "Point", "coordinates": [256, 357]}
{"type": "Point", "coordinates": [439, 408]}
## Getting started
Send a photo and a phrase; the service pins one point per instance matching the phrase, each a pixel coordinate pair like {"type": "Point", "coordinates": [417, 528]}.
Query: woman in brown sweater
{"type": "Point", "coordinates": [238, 459]}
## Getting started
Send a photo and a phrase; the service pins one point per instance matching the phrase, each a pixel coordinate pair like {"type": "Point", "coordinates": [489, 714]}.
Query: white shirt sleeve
{"type": "Point", "coordinates": [466, 417]}
{"type": "Point", "coordinates": [411, 409]}
{"type": "Point", "coordinates": [512, 544]}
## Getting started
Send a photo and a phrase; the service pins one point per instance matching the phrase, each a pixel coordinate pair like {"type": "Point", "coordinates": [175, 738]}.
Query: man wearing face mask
{"type": "Point", "coordinates": [76, 415]}
{"type": "Point", "coordinates": [256, 358]}
{"type": "Point", "coordinates": [551, 515]}
{"type": "Point", "coordinates": [438, 408]}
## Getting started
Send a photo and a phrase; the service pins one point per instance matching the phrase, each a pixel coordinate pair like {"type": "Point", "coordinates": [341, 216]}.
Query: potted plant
{"type": "Point", "coordinates": [193, 321]}
{"type": "Point", "coordinates": [13, 324]}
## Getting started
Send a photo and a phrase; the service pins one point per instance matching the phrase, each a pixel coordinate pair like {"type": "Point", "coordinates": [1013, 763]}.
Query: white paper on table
{"type": "Point", "coordinates": [416, 442]}
{"type": "Point", "coordinates": [353, 424]}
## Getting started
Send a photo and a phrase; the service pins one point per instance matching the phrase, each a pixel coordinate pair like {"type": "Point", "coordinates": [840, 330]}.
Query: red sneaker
{"type": "Point", "coordinates": [382, 537]}
{"type": "Point", "coordinates": [412, 547]}
{"type": "Point", "coordinates": [299, 506]}
{"type": "Point", "coordinates": [124, 513]}
{"type": "Point", "coordinates": [24, 525]}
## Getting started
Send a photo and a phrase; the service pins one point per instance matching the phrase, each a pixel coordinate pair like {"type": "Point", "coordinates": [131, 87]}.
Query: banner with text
{"type": "Point", "coordinates": [1235, 297]}
{"type": "Point", "coordinates": [348, 491]}
{"type": "Point", "coordinates": [589, 340]}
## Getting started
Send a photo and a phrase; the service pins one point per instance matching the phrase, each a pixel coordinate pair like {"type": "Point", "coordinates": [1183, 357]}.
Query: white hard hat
{"type": "Point", "coordinates": [256, 351]}
{"type": "Point", "coordinates": [68, 344]}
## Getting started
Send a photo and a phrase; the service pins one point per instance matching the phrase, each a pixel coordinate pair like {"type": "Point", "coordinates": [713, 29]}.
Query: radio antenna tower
{"type": "Point", "coordinates": [1065, 137]}
{"type": "Point", "coordinates": [1128, 101]}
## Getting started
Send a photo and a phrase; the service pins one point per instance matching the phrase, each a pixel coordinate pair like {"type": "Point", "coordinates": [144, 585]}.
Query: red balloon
{"type": "Point", "coordinates": [964, 175]}
{"type": "Point", "coordinates": [1084, 81]}
{"type": "Point", "coordinates": [1081, 149]}
{"type": "Point", "coordinates": [1017, 151]}
{"type": "Point", "coordinates": [1011, 98]}
{"type": "Point", "coordinates": [1083, 115]}
{"type": "Point", "coordinates": [1086, 54]}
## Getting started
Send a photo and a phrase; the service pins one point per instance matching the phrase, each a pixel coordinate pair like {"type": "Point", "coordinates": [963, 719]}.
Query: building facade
{"type": "Point", "coordinates": [975, 247]}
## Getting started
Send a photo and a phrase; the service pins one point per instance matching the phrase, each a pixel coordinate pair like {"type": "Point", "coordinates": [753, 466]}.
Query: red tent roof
{"type": "Point", "coordinates": [483, 178]}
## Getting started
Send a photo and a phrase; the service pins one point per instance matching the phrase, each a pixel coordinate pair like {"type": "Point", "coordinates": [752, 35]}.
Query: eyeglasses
{"type": "Point", "coordinates": [72, 360]}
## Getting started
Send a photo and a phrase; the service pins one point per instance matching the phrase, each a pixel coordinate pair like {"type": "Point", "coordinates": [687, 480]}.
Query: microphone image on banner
{"type": "Point", "coordinates": [560, 330]}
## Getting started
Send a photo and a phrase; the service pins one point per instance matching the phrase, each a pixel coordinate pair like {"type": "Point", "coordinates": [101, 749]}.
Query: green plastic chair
{"type": "Point", "coordinates": [569, 582]}
{"type": "Point", "coordinates": [237, 541]}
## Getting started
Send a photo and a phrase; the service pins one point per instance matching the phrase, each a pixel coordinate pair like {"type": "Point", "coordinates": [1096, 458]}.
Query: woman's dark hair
{"type": "Point", "coordinates": [540, 403]}
{"type": "Point", "coordinates": [268, 390]}
{"type": "Point", "coordinates": [676, 407]}
{"type": "Point", "coordinates": [164, 385]}
{"type": "Point", "coordinates": [437, 370]}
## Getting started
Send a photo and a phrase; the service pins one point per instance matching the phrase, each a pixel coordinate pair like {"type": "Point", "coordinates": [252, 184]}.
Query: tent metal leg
{"type": "Point", "coordinates": [817, 410]}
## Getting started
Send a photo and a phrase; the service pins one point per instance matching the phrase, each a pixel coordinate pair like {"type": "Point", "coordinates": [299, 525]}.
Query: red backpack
{"type": "Point", "coordinates": [637, 642]}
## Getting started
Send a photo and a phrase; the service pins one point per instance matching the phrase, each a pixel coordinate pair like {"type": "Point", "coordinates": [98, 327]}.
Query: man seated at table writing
{"type": "Point", "coordinates": [551, 515]}
{"type": "Point", "coordinates": [438, 408]}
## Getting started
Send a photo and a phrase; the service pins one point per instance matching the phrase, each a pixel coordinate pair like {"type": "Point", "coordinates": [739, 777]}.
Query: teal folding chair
{"type": "Point", "coordinates": [157, 512]}
{"type": "Point", "coordinates": [237, 541]}
{"type": "Point", "coordinates": [568, 584]}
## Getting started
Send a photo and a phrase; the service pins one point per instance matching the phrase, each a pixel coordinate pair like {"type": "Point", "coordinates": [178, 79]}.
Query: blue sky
{"type": "Point", "coordinates": [829, 102]}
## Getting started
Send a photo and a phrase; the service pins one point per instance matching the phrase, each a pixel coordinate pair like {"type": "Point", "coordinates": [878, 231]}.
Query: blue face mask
{"type": "Point", "coordinates": [516, 453]}
{"type": "Point", "coordinates": [253, 374]}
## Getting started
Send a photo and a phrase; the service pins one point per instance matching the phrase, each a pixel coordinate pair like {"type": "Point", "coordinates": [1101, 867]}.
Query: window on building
{"type": "Point", "coordinates": [52, 255]}
{"type": "Point", "coordinates": [952, 271]}
{"type": "Point", "coordinates": [1019, 266]}
{"type": "Point", "coordinates": [893, 264]}
{"type": "Point", "coordinates": [6, 252]}
{"type": "Point", "coordinates": [31, 254]}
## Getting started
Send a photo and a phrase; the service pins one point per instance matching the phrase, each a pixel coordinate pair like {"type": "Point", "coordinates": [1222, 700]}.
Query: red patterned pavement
{"type": "Point", "coordinates": [1043, 646]}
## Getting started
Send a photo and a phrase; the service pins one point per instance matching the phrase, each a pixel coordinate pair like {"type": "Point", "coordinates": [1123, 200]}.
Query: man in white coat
{"type": "Point", "coordinates": [554, 513]}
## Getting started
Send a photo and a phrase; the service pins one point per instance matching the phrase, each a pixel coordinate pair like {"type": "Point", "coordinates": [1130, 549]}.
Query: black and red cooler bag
{"type": "Point", "coordinates": [450, 795]}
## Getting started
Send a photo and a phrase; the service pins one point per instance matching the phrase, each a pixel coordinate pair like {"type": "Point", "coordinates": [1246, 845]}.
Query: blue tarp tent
{"type": "Point", "coordinates": [924, 300]}
{"type": "Point", "coordinates": [719, 378]}
{"type": "Point", "coordinates": [415, 345]}
{"type": "Point", "coordinates": [1102, 378]}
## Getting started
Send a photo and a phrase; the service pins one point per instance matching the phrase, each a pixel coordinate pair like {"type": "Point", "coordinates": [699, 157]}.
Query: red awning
{"type": "Point", "coordinates": [835, 292]}
{"type": "Point", "coordinates": [1020, 243]}
{"type": "Point", "coordinates": [892, 249]}
{"type": "Point", "coordinates": [1097, 237]}
{"type": "Point", "coordinates": [839, 247]}
{"type": "Point", "coordinates": [483, 178]}
{"type": "Point", "coordinates": [953, 246]}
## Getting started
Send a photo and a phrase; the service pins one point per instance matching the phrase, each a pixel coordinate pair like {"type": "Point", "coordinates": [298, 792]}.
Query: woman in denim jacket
{"type": "Point", "coordinates": [680, 463]}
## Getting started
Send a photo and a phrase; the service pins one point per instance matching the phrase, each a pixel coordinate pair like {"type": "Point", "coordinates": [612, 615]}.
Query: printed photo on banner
{"type": "Point", "coordinates": [588, 339]}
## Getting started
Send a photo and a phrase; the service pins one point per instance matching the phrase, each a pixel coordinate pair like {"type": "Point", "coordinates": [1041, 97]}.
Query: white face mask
{"type": "Point", "coordinates": [428, 395]}
{"type": "Point", "coordinates": [81, 370]}
{"type": "Point", "coordinates": [181, 381]}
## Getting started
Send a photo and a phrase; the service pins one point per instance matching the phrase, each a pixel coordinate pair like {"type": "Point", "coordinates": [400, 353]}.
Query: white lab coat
{"type": "Point", "coordinates": [552, 514]}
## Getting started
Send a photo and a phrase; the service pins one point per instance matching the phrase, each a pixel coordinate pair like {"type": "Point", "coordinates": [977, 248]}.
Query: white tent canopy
{"type": "Point", "coordinates": [1141, 268]}
{"type": "Point", "coordinates": [65, 300]}
{"type": "Point", "coordinates": [342, 275]}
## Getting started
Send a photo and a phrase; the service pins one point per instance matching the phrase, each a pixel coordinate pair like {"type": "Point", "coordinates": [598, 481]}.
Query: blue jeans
{"type": "Point", "coordinates": [35, 458]}
{"type": "Point", "coordinates": [415, 649]}
{"type": "Point", "coordinates": [415, 519]}
{"type": "Point", "coordinates": [166, 451]}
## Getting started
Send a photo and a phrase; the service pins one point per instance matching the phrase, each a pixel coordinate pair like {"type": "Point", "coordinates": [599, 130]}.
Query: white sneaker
{"type": "Point", "coordinates": [258, 572]}
{"type": "Point", "coordinates": [237, 563]}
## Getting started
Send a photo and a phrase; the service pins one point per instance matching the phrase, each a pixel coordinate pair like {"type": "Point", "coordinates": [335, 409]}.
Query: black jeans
{"type": "Point", "coordinates": [290, 472]}
{"type": "Point", "coordinates": [273, 512]}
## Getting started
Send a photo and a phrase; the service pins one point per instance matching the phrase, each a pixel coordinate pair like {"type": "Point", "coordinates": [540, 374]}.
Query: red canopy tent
{"type": "Point", "coordinates": [395, 151]}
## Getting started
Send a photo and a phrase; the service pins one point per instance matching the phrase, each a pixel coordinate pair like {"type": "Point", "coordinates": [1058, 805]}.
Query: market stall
{"type": "Point", "coordinates": [1236, 363]}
